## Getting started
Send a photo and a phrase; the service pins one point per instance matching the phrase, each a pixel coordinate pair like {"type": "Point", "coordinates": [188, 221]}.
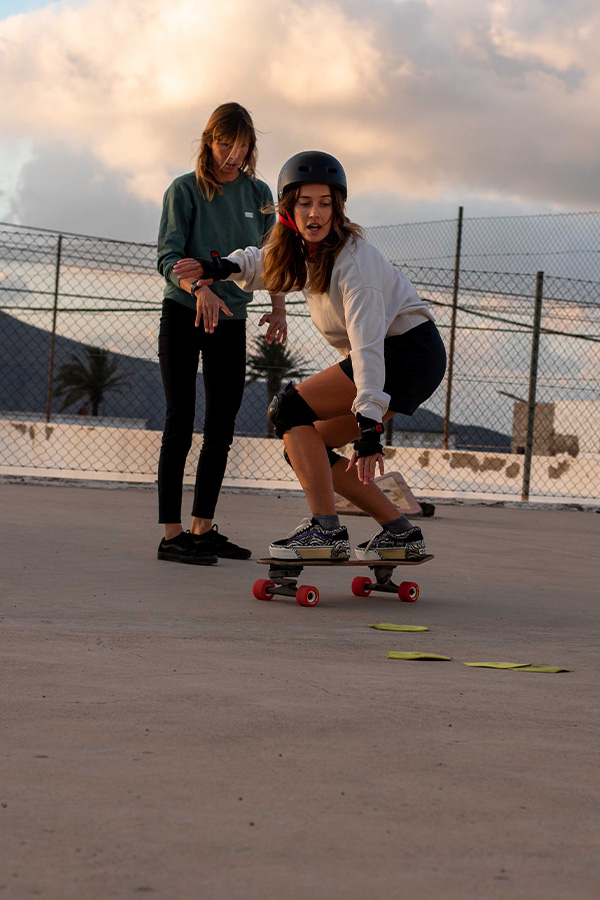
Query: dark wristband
{"type": "Point", "coordinates": [217, 268]}
{"type": "Point", "coordinates": [368, 443]}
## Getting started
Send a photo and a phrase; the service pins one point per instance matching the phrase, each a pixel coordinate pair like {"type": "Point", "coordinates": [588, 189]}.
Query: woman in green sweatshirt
{"type": "Point", "coordinates": [218, 205]}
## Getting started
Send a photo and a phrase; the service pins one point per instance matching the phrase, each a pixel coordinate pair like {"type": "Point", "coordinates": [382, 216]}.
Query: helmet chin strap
{"type": "Point", "coordinates": [289, 223]}
{"type": "Point", "coordinates": [310, 249]}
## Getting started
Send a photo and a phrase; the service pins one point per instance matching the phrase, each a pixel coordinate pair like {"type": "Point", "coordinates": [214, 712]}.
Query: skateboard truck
{"type": "Point", "coordinates": [283, 580]}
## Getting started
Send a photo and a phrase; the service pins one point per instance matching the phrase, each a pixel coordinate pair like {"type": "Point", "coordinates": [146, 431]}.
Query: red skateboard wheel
{"type": "Point", "coordinates": [306, 595]}
{"type": "Point", "coordinates": [361, 586]}
{"type": "Point", "coordinates": [408, 591]}
{"type": "Point", "coordinates": [262, 589]}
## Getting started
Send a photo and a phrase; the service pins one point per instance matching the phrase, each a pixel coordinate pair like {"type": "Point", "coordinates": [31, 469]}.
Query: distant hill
{"type": "Point", "coordinates": [466, 437]}
{"type": "Point", "coordinates": [24, 354]}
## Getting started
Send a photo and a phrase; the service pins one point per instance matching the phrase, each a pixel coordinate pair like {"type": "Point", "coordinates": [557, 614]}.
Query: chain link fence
{"type": "Point", "coordinates": [517, 300]}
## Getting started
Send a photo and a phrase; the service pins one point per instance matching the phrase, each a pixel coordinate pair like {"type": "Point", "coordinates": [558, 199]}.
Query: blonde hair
{"type": "Point", "coordinates": [286, 264]}
{"type": "Point", "coordinates": [232, 123]}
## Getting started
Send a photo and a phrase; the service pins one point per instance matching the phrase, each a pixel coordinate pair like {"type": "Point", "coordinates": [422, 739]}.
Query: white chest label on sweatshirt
{"type": "Point", "coordinates": [249, 215]}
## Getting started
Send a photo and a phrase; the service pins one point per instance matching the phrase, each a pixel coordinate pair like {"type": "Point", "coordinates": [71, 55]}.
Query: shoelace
{"type": "Point", "coordinates": [303, 524]}
{"type": "Point", "coordinates": [411, 531]}
{"type": "Point", "coordinates": [214, 535]}
{"type": "Point", "coordinates": [217, 536]}
{"type": "Point", "coordinates": [378, 534]}
{"type": "Point", "coordinates": [373, 536]}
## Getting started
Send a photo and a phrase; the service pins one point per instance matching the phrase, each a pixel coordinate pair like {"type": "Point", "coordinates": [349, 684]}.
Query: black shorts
{"type": "Point", "coordinates": [415, 363]}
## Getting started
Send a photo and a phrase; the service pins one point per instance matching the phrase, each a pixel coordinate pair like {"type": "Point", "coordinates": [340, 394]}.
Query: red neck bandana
{"type": "Point", "coordinates": [313, 251]}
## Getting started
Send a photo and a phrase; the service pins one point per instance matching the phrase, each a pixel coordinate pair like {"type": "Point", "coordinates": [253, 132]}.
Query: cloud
{"type": "Point", "coordinates": [68, 191]}
{"type": "Point", "coordinates": [421, 100]}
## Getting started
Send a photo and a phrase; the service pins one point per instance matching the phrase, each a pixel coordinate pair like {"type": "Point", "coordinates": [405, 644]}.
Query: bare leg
{"type": "Point", "coordinates": [331, 394]}
{"type": "Point", "coordinates": [368, 497]}
{"type": "Point", "coordinates": [308, 456]}
{"type": "Point", "coordinates": [200, 526]}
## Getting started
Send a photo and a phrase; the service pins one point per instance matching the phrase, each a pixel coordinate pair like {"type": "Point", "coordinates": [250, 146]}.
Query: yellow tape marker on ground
{"type": "Point", "coordinates": [542, 668]}
{"type": "Point", "coordinates": [400, 654]}
{"type": "Point", "coordinates": [388, 626]}
{"type": "Point", "coordinates": [497, 665]}
{"type": "Point", "coordinates": [517, 667]}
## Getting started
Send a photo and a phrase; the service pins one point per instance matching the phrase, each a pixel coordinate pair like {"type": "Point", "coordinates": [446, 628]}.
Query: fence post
{"type": "Point", "coordinates": [459, 224]}
{"type": "Point", "coordinates": [535, 350]}
{"type": "Point", "coordinates": [53, 333]}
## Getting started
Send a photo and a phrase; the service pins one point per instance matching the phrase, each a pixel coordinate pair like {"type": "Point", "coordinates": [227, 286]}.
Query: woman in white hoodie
{"type": "Point", "coordinates": [394, 358]}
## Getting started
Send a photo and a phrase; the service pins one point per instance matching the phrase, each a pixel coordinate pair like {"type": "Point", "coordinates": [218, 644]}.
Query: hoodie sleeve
{"type": "Point", "coordinates": [249, 278]}
{"type": "Point", "coordinates": [175, 224]}
{"type": "Point", "coordinates": [364, 311]}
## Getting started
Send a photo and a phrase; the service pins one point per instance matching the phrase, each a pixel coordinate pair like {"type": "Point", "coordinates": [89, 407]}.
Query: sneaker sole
{"type": "Point", "coordinates": [190, 560]}
{"type": "Point", "coordinates": [309, 553]}
{"type": "Point", "coordinates": [390, 554]}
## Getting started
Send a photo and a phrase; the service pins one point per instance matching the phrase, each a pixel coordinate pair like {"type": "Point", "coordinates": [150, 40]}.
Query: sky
{"type": "Point", "coordinates": [429, 104]}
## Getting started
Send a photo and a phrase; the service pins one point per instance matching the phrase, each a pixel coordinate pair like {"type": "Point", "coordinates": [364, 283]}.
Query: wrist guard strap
{"type": "Point", "coordinates": [216, 268]}
{"type": "Point", "coordinates": [368, 443]}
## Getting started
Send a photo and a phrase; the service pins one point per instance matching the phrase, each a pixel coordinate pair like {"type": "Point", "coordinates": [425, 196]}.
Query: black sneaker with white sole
{"type": "Point", "coordinates": [214, 542]}
{"type": "Point", "coordinates": [311, 541]}
{"type": "Point", "coordinates": [386, 544]}
{"type": "Point", "coordinates": [183, 549]}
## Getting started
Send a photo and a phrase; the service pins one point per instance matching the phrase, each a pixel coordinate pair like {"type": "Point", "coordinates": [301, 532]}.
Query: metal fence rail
{"type": "Point", "coordinates": [517, 300]}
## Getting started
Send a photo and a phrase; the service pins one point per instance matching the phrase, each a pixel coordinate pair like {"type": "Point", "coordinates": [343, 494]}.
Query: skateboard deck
{"type": "Point", "coordinates": [284, 575]}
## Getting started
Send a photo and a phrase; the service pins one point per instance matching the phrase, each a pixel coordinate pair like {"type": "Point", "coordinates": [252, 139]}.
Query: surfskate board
{"type": "Point", "coordinates": [284, 575]}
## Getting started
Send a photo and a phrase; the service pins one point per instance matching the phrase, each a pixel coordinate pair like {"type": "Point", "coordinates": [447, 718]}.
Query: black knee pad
{"type": "Point", "coordinates": [288, 409]}
{"type": "Point", "coordinates": [332, 456]}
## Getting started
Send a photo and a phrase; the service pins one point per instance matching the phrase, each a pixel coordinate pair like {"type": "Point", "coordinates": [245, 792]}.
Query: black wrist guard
{"type": "Point", "coordinates": [368, 443]}
{"type": "Point", "coordinates": [217, 268]}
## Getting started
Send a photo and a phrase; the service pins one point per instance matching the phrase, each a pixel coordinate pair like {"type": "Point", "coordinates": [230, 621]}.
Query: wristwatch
{"type": "Point", "coordinates": [195, 286]}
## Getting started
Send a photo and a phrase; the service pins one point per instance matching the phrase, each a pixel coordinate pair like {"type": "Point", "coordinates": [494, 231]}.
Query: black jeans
{"type": "Point", "coordinates": [180, 344]}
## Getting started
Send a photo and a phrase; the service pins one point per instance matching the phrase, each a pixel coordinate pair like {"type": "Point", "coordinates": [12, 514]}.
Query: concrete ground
{"type": "Point", "coordinates": [164, 733]}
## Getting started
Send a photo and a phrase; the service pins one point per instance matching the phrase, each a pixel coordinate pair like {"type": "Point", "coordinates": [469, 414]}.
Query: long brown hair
{"type": "Point", "coordinates": [232, 123]}
{"type": "Point", "coordinates": [286, 263]}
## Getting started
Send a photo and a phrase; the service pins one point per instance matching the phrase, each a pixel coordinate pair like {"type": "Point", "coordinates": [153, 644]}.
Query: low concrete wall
{"type": "Point", "coordinates": [437, 472]}
{"type": "Point", "coordinates": [88, 452]}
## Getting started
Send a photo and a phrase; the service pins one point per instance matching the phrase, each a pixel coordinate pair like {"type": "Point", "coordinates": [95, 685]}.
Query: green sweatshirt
{"type": "Point", "coordinates": [191, 226]}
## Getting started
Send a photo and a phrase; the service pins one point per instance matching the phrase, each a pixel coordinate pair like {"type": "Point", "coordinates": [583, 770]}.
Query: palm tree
{"type": "Point", "coordinates": [273, 363]}
{"type": "Point", "coordinates": [88, 379]}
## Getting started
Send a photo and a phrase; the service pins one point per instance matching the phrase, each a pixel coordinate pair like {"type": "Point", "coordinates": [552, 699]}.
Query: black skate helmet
{"type": "Point", "coordinates": [311, 167]}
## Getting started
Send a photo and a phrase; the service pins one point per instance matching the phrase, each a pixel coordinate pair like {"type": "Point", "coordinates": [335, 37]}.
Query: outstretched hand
{"type": "Point", "coordinates": [277, 330]}
{"type": "Point", "coordinates": [207, 308]}
{"type": "Point", "coordinates": [366, 467]}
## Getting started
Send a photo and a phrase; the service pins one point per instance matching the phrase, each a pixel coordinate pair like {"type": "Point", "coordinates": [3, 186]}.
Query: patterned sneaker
{"type": "Point", "coordinates": [385, 544]}
{"type": "Point", "coordinates": [183, 549]}
{"type": "Point", "coordinates": [311, 541]}
{"type": "Point", "coordinates": [214, 542]}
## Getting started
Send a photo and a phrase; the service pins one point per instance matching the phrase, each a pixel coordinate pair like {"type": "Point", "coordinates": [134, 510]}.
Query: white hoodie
{"type": "Point", "coordinates": [368, 300]}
